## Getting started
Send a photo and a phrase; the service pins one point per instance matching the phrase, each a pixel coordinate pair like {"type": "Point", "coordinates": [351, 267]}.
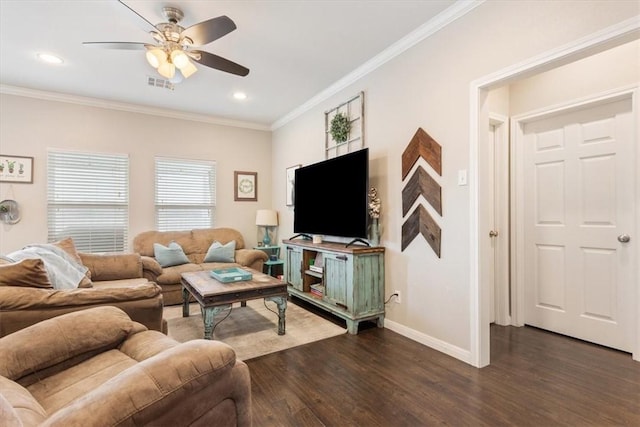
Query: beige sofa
{"type": "Point", "coordinates": [195, 244]}
{"type": "Point", "coordinates": [116, 279]}
{"type": "Point", "coordinates": [111, 371]}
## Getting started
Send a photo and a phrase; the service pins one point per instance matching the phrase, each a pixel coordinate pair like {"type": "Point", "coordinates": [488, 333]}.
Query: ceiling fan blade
{"type": "Point", "coordinates": [209, 30]}
{"type": "Point", "coordinates": [139, 20]}
{"type": "Point", "coordinates": [117, 45]}
{"type": "Point", "coordinates": [219, 63]}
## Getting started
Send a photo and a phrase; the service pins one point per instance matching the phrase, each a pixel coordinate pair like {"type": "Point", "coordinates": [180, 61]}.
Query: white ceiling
{"type": "Point", "coordinates": [295, 49]}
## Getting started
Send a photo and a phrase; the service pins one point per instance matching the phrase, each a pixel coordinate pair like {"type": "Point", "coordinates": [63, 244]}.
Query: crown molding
{"type": "Point", "coordinates": [122, 106]}
{"type": "Point", "coordinates": [427, 29]}
{"type": "Point", "coordinates": [599, 41]}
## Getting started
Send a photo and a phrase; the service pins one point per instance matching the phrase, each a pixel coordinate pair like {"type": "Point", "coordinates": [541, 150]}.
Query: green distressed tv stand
{"type": "Point", "coordinates": [345, 281]}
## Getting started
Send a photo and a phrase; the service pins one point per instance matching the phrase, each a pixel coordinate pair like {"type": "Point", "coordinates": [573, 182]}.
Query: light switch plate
{"type": "Point", "coordinates": [462, 177]}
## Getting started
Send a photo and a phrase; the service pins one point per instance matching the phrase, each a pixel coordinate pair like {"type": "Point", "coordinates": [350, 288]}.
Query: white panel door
{"type": "Point", "coordinates": [578, 200]}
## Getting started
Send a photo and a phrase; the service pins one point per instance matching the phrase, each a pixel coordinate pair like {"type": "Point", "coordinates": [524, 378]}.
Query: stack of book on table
{"type": "Point", "coordinates": [317, 264]}
{"type": "Point", "coordinates": [317, 290]}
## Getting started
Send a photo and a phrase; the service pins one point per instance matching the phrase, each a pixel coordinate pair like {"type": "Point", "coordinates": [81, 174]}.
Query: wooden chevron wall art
{"type": "Point", "coordinates": [422, 145]}
{"type": "Point", "coordinates": [420, 222]}
{"type": "Point", "coordinates": [421, 184]}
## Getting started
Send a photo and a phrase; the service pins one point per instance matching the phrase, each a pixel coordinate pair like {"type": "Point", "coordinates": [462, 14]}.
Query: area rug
{"type": "Point", "coordinates": [252, 331]}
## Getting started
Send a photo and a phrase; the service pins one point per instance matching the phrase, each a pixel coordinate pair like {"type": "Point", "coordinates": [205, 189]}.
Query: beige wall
{"type": "Point", "coordinates": [428, 87]}
{"type": "Point", "coordinates": [30, 127]}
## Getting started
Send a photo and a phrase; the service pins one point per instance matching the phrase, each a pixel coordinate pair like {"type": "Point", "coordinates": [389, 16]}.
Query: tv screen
{"type": "Point", "coordinates": [331, 197]}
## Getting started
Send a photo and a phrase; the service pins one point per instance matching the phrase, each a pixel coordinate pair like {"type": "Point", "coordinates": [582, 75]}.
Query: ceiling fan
{"type": "Point", "coordinates": [174, 44]}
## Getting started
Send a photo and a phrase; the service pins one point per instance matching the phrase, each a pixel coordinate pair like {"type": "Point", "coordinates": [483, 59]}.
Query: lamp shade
{"type": "Point", "coordinates": [156, 57]}
{"type": "Point", "coordinates": [266, 217]}
{"type": "Point", "coordinates": [179, 58]}
{"type": "Point", "coordinates": [188, 69]}
{"type": "Point", "coordinates": [167, 70]}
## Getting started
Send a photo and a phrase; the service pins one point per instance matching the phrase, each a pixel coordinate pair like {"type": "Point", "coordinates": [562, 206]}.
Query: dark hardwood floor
{"type": "Point", "coordinates": [380, 378]}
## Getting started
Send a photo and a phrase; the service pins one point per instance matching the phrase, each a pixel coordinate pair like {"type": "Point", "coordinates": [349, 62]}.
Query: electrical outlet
{"type": "Point", "coordinates": [398, 300]}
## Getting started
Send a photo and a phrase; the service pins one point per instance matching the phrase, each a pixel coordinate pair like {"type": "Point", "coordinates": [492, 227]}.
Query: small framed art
{"type": "Point", "coordinates": [16, 169]}
{"type": "Point", "coordinates": [290, 185]}
{"type": "Point", "coordinates": [246, 186]}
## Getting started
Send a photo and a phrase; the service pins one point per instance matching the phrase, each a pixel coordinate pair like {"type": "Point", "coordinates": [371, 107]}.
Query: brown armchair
{"type": "Point", "coordinates": [97, 367]}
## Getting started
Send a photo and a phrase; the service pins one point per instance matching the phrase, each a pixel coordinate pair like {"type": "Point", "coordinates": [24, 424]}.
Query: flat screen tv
{"type": "Point", "coordinates": [331, 197]}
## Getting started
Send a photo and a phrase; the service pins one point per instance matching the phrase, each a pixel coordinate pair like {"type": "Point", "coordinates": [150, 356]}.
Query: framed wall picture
{"type": "Point", "coordinates": [16, 169]}
{"type": "Point", "coordinates": [246, 186]}
{"type": "Point", "coordinates": [291, 179]}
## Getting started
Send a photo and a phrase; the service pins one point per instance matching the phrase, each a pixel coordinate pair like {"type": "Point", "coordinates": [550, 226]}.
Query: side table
{"type": "Point", "coordinates": [274, 257]}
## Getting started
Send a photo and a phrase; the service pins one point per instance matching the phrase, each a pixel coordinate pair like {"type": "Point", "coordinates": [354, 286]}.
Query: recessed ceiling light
{"type": "Point", "coordinates": [240, 95]}
{"type": "Point", "coordinates": [50, 58]}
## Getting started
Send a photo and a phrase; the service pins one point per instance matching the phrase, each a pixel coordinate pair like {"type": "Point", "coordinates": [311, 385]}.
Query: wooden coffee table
{"type": "Point", "coordinates": [214, 296]}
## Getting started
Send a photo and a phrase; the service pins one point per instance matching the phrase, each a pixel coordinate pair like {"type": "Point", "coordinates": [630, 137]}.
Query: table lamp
{"type": "Point", "coordinates": [268, 219]}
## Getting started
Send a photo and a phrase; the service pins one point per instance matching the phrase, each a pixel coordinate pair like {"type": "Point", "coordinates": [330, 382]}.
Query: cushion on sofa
{"type": "Point", "coordinates": [69, 246]}
{"type": "Point", "coordinates": [171, 255]}
{"type": "Point", "coordinates": [172, 275]}
{"type": "Point", "coordinates": [64, 272]}
{"type": "Point", "coordinates": [80, 337]}
{"type": "Point", "coordinates": [114, 266]}
{"type": "Point", "coordinates": [221, 253]}
{"type": "Point", "coordinates": [120, 283]}
{"type": "Point", "coordinates": [47, 299]}
{"type": "Point", "coordinates": [143, 242]}
{"type": "Point", "coordinates": [28, 272]}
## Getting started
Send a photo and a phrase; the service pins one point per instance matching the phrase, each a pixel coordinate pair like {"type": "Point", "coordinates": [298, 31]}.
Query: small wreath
{"type": "Point", "coordinates": [340, 127]}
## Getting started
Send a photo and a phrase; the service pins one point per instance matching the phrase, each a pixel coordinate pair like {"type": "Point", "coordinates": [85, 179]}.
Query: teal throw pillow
{"type": "Point", "coordinates": [221, 253]}
{"type": "Point", "coordinates": [168, 256]}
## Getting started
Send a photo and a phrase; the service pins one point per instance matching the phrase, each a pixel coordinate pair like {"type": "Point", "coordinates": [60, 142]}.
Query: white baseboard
{"type": "Point", "coordinates": [429, 341]}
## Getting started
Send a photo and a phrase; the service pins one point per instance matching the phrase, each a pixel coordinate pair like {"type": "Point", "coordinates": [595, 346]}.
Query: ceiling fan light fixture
{"type": "Point", "coordinates": [188, 70]}
{"type": "Point", "coordinates": [156, 57]}
{"type": "Point", "coordinates": [179, 58]}
{"type": "Point", "coordinates": [173, 44]}
{"type": "Point", "coordinates": [167, 70]}
{"type": "Point", "coordinates": [158, 37]}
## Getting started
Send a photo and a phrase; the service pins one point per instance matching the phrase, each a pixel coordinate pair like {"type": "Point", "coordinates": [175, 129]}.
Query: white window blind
{"type": "Point", "coordinates": [185, 194]}
{"type": "Point", "coordinates": [88, 200]}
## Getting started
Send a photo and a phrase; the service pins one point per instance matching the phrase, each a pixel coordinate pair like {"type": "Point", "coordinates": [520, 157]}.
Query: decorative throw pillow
{"type": "Point", "coordinates": [28, 272]}
{"type": "Point", "coordinates": [69, 247]}
{"type": "Point", "coordinates": [168, 256]}
{"type": "Point", "coordinates": [221, 253]}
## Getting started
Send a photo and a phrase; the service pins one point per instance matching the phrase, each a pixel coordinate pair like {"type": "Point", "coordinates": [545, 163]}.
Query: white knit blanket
{"type": "Point", "coordinates": [64, 272]}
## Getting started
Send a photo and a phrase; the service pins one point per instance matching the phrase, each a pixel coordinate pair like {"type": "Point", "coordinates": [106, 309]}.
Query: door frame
{"type": "Point", "coordinates": [501, 217]}
{"type": "Point", "coordinates": [591, 44]}
{"type": "Point", "coordinates": [518, 225]}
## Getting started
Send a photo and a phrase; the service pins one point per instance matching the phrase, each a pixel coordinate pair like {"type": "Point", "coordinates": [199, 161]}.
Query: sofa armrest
{"type": "Point", "coordinates": [22, 307]}
{"type": "Point", "coordinates": [252, 258]}
{"type": "Point", "coordinates": [114, 266]}
{"type": "Point", "coordinates": [197, 382]}
{"type": "Point", "coordinates": [150, 264]}
{"type": "Point", "coordinates": [56, 340]}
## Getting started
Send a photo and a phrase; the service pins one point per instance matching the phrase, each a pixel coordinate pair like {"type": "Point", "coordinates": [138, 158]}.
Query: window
{"type": "Point", "coordinates": [185, 194]}
{"type": "Point", "coordinates": [88, 200]}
